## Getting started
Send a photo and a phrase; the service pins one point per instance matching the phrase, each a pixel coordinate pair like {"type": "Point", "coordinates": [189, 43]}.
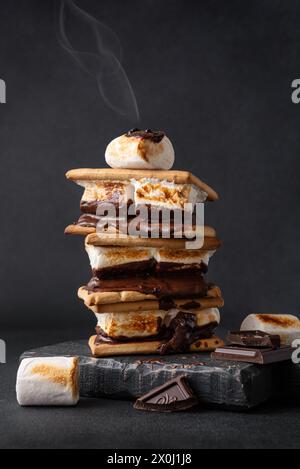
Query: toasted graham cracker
{"type": "Point", "coordinates": [147, 348]}
{"type": "Point", "coordinates": [198, 304]}
{"type": "Point", "coordinates": [79, 230]}
{"type": "Point", "coordinates": [211, 243]}
{"type": "Point", "coordinates": [107, 174]}
{"type": "Point", "coordinates": [116, 238]}
{"type": "Point", "coordinates": [102, 298]}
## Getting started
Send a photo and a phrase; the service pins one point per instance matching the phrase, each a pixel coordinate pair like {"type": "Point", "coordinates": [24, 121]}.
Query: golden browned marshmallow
{"type": "Point", "coordinates": [168, 195]}
{"type": "Point", "coordinates": [119, 192]}
{"type": "Point", "coordinates": [141, 150]}
{"type": "Point", "coordinates": [48, 381]}
{"type": "Point", "coordinates": [285, 325]}
{"type": "Point", "coordinates": [102, 257]}
{"type": "Point", "coordinates": [148, 323]}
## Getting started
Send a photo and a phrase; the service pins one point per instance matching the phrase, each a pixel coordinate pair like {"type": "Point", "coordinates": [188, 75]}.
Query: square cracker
{"type": "Point", "coordinates": [147, 348]}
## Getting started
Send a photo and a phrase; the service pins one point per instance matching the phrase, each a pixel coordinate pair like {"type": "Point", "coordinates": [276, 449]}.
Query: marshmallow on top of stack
{"type": "Point", "coordinates": [149, 295]}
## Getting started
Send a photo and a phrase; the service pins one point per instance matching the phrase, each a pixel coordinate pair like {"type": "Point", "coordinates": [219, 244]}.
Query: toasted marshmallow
{"type": "Point", "coordinates": [148, 323]}
{"type": "Point", "coordinates": [145, 324]}
{"type": "Point", "coordinates": [285, 325]}
{"type": "Point", "coordinates": [167, 195]}
{"type": "Point", "coordinates": [118, 192]}
{"type": "Point", "coordinates": [102, 257]}
{"type": "Point", "coordinates": [184, 256]}
{"type": "Point", "coordinates": [141, 150]}
{"type": "Point", "coordinates": [48, 382]}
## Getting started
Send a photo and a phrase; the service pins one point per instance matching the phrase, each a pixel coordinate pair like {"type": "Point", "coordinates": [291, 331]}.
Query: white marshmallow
{"type": "Point", "coordinates": [52, 381]}
{"type": "Point", "coordinates": [285, 325]}
{"type": "Point", "coordinates": [140, 153]}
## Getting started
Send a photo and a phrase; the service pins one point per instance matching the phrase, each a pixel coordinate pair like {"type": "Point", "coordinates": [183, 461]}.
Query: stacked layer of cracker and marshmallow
{"type": "Point", "coordinates": [148, 252]}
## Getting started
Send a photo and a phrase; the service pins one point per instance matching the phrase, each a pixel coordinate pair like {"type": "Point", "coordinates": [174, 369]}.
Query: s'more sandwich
{"type": "Point", "coordinates": [149, 294]}
{"type": "Point", "coordinates": [139, 178]}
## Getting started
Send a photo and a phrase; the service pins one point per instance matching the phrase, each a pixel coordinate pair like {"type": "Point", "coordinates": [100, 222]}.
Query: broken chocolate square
{"type": "Point", "coordinates": [257, 339]}
{"type": "Point", "coordinates": [173, 396]}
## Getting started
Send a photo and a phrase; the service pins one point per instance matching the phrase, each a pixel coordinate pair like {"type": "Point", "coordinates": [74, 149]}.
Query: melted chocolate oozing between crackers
{"type": "Point", "coordinates": [190, 285]}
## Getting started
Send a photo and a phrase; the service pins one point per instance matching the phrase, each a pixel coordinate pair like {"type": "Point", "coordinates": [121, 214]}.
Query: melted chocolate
{"type": "Point", "coordinates": [145, 228]}
{"type": "Point", "coordinates": [170, 286]}
{"type": "Point", "coordinates": [183, 332]}
{"type": "Point", "coordinates": [92, 207]}
{"type": "Point", "coordinates": [155, 136]}
{"type": "Point", "coordinates": [150, 267]}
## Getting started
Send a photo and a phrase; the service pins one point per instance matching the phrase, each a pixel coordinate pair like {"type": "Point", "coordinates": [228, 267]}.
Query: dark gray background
{"type": "Point", "coordinates": [217, 77]}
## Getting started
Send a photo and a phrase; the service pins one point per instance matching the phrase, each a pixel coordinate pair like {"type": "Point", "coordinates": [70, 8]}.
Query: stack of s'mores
{"type": "Point", "coordinates": [148, 290]}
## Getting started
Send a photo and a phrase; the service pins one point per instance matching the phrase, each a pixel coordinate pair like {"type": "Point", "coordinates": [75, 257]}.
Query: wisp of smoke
{"type": "Point", "coordinates": [104, 64]}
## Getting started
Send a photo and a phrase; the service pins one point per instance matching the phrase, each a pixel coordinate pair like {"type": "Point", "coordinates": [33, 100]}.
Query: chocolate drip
{"type": "Point", "coordinates": [183, 332]}
{"type": "Point", "coordinates": [155, 136]}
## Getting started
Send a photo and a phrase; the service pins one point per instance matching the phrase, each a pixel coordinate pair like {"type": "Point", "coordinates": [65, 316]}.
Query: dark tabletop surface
{"type": "Point", "coordinates": [111, 424]}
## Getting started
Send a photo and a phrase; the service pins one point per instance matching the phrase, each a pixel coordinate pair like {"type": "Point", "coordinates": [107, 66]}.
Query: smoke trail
{"type": "Point", "coordinates": [104, 64]}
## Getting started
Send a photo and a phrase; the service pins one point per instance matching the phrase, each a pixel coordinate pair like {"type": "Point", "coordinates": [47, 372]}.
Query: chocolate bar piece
{"type": "Point", "coordinates": [173, 396]}
{"type": "Point", "coordinates": [257, 356]}
{"type": "Point", "coordinates": [257, 339]}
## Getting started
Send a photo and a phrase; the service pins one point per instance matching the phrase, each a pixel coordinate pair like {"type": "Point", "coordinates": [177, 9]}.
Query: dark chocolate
{"type": "Point", "coordinates": [146, 228]}
{"type": "Point", "coordinates": [173, 396]}
{"type": "Point", "coordinates": [155, 136]}
{"type": "Point", "coordinates": [257, 339]}
{"type": "Point", "coordinates": [130, 210]}
{"type": "Point", "coordinates": [183, 332]}
{"type": "Point", "coordinates": [257, 356]}
{"type": "Point", "coordinates": [177, 337]}
{"type": "Point", "coordinates": [150, 267]}
{"type": "Point", "coordinates": [186, 285]}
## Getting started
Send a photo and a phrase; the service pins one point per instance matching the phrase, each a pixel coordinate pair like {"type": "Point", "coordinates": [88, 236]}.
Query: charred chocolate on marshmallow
{"type": "Point", "coordinates": [141, 149]}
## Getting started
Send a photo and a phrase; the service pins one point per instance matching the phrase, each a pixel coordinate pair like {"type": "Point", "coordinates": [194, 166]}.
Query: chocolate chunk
{"type": "Point", "coordinates": [173, 396]}
{"type": "Point", "coordinates": [257, 339]}
{"type": "Point", "coordinates": [257, 356]}
{"type": "Point", "coordinates": [183, 332]}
